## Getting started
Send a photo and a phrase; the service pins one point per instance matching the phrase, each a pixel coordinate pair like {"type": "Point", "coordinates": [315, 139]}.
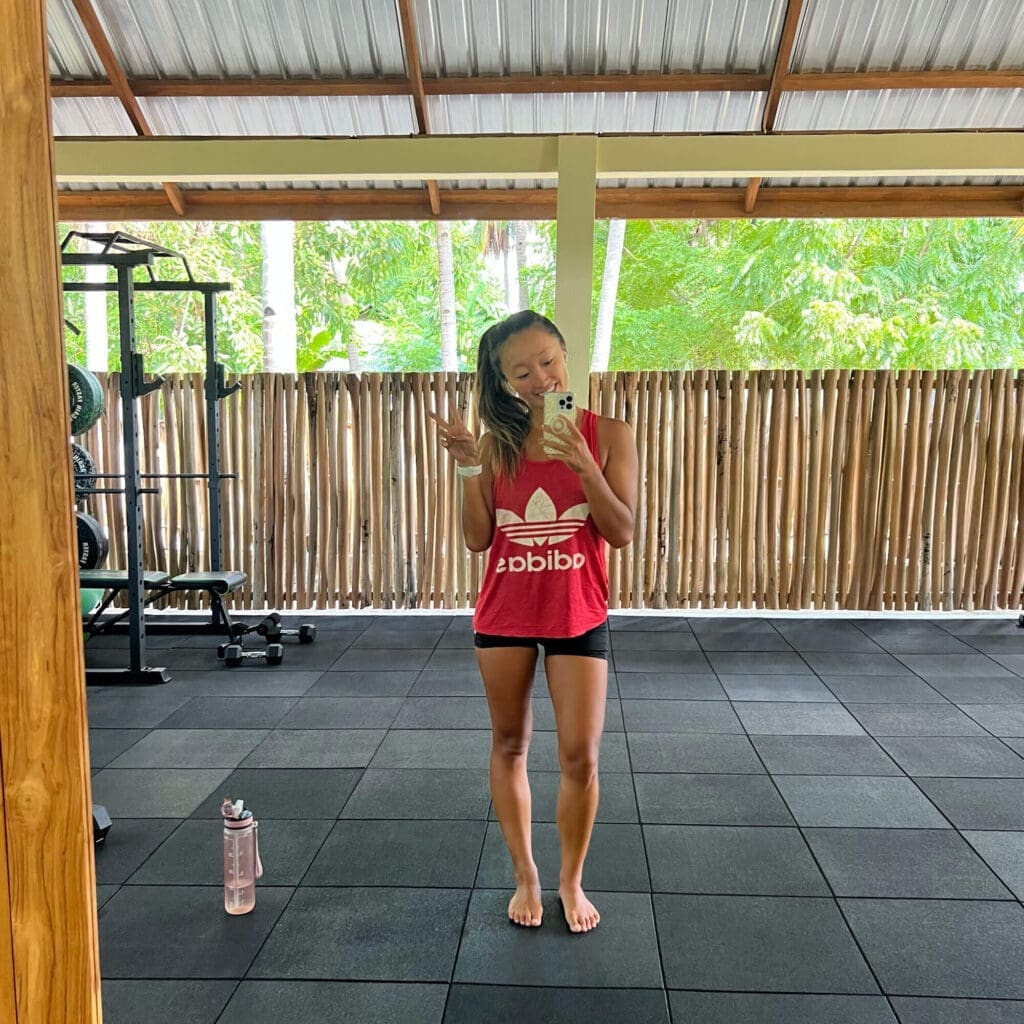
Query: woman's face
{"type": "Point", "coordinates": [533, 362]}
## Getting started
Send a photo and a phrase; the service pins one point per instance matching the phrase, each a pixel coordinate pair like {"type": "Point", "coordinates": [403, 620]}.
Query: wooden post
{"type": "Point", "coordinates": [574, 264]}
{"type": "Point", "coordinates": [49, 957]}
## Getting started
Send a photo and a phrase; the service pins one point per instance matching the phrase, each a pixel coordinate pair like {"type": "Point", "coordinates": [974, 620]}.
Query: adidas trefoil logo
{"type": "Point", "coordinates": [542, 524]}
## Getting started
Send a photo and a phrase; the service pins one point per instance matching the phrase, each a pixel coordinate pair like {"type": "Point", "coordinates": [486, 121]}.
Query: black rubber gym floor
{"type": "Point", "coordinates": [801, 820]}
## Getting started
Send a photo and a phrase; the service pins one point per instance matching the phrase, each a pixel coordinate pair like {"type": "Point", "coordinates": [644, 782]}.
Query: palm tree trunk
{"type": "Point", "coordinates": [96, 358]}
{"type": "Point", "coordinates": [609, 293]}
{"type": "Point", "coordinates": [279, 343]}
{"type": "Point", "coordinates": [519, 230]}
{"type": "Point", "coordinates": [446, 281]}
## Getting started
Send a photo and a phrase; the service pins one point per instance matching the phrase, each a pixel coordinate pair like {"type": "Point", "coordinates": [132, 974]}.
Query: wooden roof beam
{"type": "Point", "coordinates": [119, 82]}
{"type": "Point", "coordinates": [540, 204]}
{"type": "Point", "coordinates": [419, 99]}
{"type": "Point", "coordinates": [522, 84]}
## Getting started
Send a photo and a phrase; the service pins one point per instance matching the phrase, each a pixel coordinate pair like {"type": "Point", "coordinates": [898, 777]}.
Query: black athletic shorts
{"type": "Point", "coordinates": [592, 644]}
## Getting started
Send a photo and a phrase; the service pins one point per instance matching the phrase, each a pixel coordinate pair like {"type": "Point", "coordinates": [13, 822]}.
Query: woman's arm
{"type": "Point", "coordinates": [478, 503]}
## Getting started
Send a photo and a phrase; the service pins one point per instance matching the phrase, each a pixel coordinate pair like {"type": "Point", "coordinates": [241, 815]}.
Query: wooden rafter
{"type": "Point", "coordinates": [540, 204]}
{"type": "Point", "coordinates": [521, 84]}
{"type": "Point", "coordinates": [119, 83]}
{"type": "Point", "coordinates": [419, 99]}
{"type": "Point", "coordinates": [771, 103]}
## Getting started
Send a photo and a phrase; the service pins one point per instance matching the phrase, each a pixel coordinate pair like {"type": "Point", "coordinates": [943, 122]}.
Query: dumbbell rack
{"type": "Point", "coordinates": [124, 253]}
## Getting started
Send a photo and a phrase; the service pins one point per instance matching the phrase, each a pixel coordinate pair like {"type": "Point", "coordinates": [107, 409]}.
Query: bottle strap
{"type": "Point", "coordinates": [259, 864]}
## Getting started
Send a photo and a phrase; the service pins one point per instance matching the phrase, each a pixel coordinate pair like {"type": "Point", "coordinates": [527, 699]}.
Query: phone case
{"type": "Point", "coordinates": [558, 403]}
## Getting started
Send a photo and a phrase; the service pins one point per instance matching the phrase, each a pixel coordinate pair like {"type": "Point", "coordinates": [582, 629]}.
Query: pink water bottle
{"type": "Point", "coordinates": [241, 857]}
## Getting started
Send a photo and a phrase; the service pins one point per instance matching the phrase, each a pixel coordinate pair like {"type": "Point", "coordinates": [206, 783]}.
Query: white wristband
{"type": "Point", "coordinates": [469, 470]}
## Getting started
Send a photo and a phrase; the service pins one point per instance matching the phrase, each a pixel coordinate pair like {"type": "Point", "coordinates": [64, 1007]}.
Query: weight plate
{"type": "Point", "coordinates": [85, 396]}
{"type": "Point", "coordinates": [85, 470]}
{"type": "Point", "coordinates": [93, 546]}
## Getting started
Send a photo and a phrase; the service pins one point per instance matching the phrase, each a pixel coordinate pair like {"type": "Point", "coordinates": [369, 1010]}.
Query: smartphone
{"type": "Point", "coordinates": [556, 405]}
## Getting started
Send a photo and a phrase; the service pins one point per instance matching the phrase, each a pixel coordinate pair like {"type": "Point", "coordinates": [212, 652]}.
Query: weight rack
{"type": "Point", "coordinates": [124, 253]}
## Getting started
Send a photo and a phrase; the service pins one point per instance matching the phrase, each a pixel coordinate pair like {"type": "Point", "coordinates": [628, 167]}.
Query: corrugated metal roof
{"type": "Point", "coordinates": [602, 113]}
{"type": "Point", "coordinates": [901, 109]}
{"type": "Point", "coordinates": [90, 115]}
{"type": "Point", "coordinates": [350, 116]}
{"type": "Point", "coordinates": [883, 35]}
{"type": "Point", "coordinates": [482, 37]}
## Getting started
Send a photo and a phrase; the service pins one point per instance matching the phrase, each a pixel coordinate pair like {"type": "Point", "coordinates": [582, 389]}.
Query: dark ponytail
{"type": "Point", "coordinates": [502, 411]}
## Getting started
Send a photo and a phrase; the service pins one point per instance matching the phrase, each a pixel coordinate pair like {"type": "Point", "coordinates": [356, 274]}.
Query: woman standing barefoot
{"type": "Point", "coordinates": [547, 504]}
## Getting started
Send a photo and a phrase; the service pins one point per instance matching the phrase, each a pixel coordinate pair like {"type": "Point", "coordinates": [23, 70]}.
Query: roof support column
{"type": "Point", "coordinates": [574, 265]}
{"type": "Point", "coordinates": [49, 956]}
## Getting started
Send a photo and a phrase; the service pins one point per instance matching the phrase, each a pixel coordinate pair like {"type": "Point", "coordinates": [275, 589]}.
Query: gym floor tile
{"type": "Point", "coordinates": [434, 748]}
{"type": "Point", "coordinates": [731, 859]}
{"type": "Point", "coordinates": [451, 659]}
{"type": "Point", "coordinates": [760, 663]}
{"type": "Point", "coordinates": [842, 663]}
{"type": "Point", "coordinates": [230, 713]}
{"type": "Point", "coordinates": [766, 639]}
{"type": "Point", "coordinates": [621, 952]}
{"type": "Point", "coordinates": [660, 661]}
{"type": "Point", "coordinates": [824, 755]}
{"type": "Point", "coordinates": [240, 682]}
{"type": "Point", "coordinates": [193, 854]}
{"type": "Point", "coordinates": [1004, 854]}
{"type": "Point", "coordinates": [410, 853]}
{"type": "Point", "coordinates": [703, 624]}
{"type": "Point", "coordinates": [854, 801]}
{"type": "Point", "coordinates": [362, 684]}
{"type": "Point", "coordinates": [650, 623]}
{"type": "Point", "coordinates": [615, 860]}
{"type": "Point", "coordinates": [285, 792]}
{"type": "Point", "coordinates": [693, 752]}
{"type": "Point", "coordinates": [443, 713]}
{"type": "Point", "coordinates": [154, 792]}
{"type": "Point", "coordinates": [128, 845]}
{"type": "Point", "coordinates": [1001, 719]}
{"type": "Point", "coordinates": [456, 683]}
{"type": "Point", "coordinates": [342, 713]}
{"type": "Point", "coordinates": [320, 1002]}
{"type": "Point", "coordinates": [758, 943]}
{"type": "Point", "coordinates": [914, 720]}
{"type": "Point", "coordinates": [957, 1011]}
{"type": "Point", "coordinates": [799, 718]}
{"type": "Point", "coordinates": [777, 688]}
{"type": "Point", "coordinates": [427, 793]}
{"type": "Point", "coordinates": [693, 716]}
{"type": "Point", "coordinates": [365, 934]}
{"type": "Point", "coordinates": [978, 803]}
{"type": "Point", "coordinates": [709, 800]}
{"type": "Point", "coordinates": [670, 686]}
{"type": "Point", "coordinates": [979, 690]}
{"type": "Point", "coordinates": [165, 1002]}
{"type": "Point", "coordinates": [397, 640]}
{"type": "Point", "coordinates": [472, 1004]}
{"type": "Point", "coordinates": [177, 931]}
{"type": "Point", "coordinates": [114, 708]}
{"type": "Point", "coordinates": [954, 756]}
{"type": "Point", "coordinates": [617, 804]}
{"type": "Point", "coordinates": [191, 748]}
{"type": "Point", "coordinates": [104, 894]}
{"type": "Point", "coordinates": [1013, 644]}
{"type": "Point", "coordinates": [910, 863]}
{"type": "Point", "coordinates": [768, 1008]}
{"type": "Point", "coordinates": [385, 660]}
{"type": "Point", "coordinates": [883, 689]}
{"type": "Point", "coordinates": [456, 638]}
{"type": "Point", "coordinates": [316, 748]}
{"type": "Point", "coordinates": [961, 665]}
{"type": "Point", "coordinates": [635, 640]}
{"type": "Point", "coordinates": [106, 744]}
{"type": "Point", "coordinates": [935, 947]}
{"type": "Point", "coordinates": [827, 638]}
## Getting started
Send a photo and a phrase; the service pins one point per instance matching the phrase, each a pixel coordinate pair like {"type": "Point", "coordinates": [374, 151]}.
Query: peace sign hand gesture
{"type": "Point", "coordinates": [456, 437]}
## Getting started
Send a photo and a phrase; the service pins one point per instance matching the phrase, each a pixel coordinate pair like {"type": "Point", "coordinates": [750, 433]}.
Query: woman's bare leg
{"type": "Point", "coordinates": [578, 686]}
{"type": "Point", "coordinates": [508, 679]}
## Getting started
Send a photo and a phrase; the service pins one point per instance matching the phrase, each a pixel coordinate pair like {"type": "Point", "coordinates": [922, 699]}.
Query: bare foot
{"type": "Point", "coordinates": [525, 907]}
{"type": "Point", "coordinates": [580, 914]}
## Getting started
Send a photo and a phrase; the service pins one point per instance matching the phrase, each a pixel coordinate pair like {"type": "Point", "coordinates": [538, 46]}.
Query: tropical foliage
{"type": "Point", "coordinates": [691, 294]}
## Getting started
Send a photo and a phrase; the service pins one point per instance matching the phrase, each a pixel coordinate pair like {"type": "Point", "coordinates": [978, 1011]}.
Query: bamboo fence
{"type": "Point", "coordinates": [770, 489]}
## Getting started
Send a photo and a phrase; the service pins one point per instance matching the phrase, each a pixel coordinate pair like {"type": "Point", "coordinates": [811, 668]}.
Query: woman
{"type": "Point", "coordinates": [546, 503]}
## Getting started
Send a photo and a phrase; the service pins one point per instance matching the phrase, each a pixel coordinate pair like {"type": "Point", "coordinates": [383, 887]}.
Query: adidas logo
{"type": "Point", "coordinates": [542, 524]}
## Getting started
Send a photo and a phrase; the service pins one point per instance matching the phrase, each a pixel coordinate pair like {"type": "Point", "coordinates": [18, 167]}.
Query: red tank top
{"type": "Point", "coordinates": [547, 569]}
